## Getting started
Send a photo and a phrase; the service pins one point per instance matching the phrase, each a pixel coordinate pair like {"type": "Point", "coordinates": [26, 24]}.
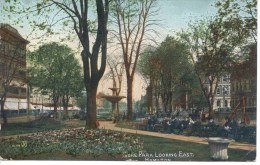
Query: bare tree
{"type": "Point", "coordinates": [116, 72]}
{"type": "Point", "coordinates": [133, 19]}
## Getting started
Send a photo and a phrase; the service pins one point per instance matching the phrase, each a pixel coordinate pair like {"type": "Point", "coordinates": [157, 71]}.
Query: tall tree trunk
{"type": "Point", "coordinates": [157, 97]}
{"type": "Point", "coordinates": [3, 111]}
{"type": "Point", "coordinates": [209, 95]}
{"type": "Point", "coordinates": [165, 100]}
{"type": "Point", "coordinates": [66, 113]}
{"type": "Point", "coordinates": [91, 109]}
{"type": "Point", "coordinates": [169, 107]}
{"type": "Point", "coordinates": [55, 110]}
{"type": "Point", "coordinates": [65, 103]}
{"type": "Point", "coordinates": [55, 106]}
{"type": "Point", "coordinates": [2, 102]}
{"type": "Point", "coordinates": [210, 104]}
{"type": "Point", "coordinates": [149, 97]}
{"type": "Point", "coordinates": [129, 98]}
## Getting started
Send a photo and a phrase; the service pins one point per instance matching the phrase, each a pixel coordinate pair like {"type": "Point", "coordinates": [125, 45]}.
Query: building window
{"type": "Point", "coordinates": [23, 90]}
{"type": "Point", "coordinates": [225, 78]}
{"type": "Point", "coordinates": [253, 102]}
{"type": "Point", "coordinates": [225, 90]}
{"type": "Point", "coordinates": [226, 103]}
{"type": "Point", "coordinates": [232, 103]}
{"type": "Point", "coordinates": [218, 91]}
{"type": "Point", "coordinates": [218, 103]}
{"type": "Point", "coordinates": [13, 90]}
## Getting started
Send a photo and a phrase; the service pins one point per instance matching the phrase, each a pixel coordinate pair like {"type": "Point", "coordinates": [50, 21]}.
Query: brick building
{"type": "Point", "coordinates": [244, 80]}
{"type": "Point", "coordinates": [13, 67]}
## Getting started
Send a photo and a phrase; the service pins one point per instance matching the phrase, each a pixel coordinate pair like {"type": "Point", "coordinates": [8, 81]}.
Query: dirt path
{"type": "Point", "coordinates": [235, 145]}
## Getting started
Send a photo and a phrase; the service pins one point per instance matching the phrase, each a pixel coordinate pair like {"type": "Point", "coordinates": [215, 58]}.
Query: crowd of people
{"type": "Point", "coordinates": [178, 124]}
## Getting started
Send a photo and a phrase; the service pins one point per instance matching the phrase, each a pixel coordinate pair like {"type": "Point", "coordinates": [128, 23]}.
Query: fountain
{"type": "Point", "coordinates": [114, 99]}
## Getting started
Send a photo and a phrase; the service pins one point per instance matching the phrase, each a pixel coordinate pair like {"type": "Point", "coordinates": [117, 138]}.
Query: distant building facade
{"type": "Point", "coordinates": [13, 67]}
{"type": "Point", "coordinates": [244, 80]}
{"type": "Point", "coordinates": [41, 102]}
{"type": "Point", "coordinates": [222, 97]}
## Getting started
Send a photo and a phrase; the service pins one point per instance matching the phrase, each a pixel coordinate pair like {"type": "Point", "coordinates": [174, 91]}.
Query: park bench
{"type": "Point", "coordinates": [141, 124]}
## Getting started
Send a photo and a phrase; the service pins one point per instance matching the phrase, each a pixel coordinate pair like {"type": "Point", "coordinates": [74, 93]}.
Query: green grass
{"type": "Point", "coordinates": [187, 151]}
{"type": "Point", "coordinates": [39, 126]}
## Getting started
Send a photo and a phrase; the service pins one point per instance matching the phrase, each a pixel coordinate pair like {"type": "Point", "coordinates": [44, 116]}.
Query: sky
{"type": "Point", "coordinates": [173, 16]}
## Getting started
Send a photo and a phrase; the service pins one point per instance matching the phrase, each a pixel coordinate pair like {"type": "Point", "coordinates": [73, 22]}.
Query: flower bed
{"type": "Point", "coordinates": [71, 141]}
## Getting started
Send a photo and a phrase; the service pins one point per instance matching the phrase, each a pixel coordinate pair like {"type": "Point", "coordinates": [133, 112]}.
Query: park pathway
{"type": "Point", "coordinates": [234, 145]}
{"type": "Point", "coordinates": [111, 126]}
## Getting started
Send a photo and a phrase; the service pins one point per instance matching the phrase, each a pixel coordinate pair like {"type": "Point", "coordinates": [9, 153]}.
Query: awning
{"type": "Point", "coordinates": [11, 105]}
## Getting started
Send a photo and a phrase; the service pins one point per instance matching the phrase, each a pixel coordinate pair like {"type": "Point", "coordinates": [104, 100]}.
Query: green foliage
{"type": "Point", "coordinates": [38, 126]}
{"type": "Point", "coordinates": [44, 17]}
{"type": "Point", "coordinates": [200, 151]}
{"type": "Point", "coordinates": [239, 16]}
{"type": "Point", "coordinates": [213, 51]}
{"type": "Point", "coordinates": [212, 46]}
{"type": "Point", "coordinates": [169, 69]}
{"type": "Point", "coordinates": [81, 102]}
{"type": "Point", "coordinates": [55, 70]}
{"type": "Point", "coordinates": [71, 141]}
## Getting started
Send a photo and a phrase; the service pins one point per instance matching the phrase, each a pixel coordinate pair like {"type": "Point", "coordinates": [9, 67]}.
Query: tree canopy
{"type": "Point", "coordinates": [75, 17]}
{"type": "Point", "coordinates": [55, 71]}
{"type": "Point", "coordinates": [169, 69]}
{"type": "Point", "coordinates": [241, 16]}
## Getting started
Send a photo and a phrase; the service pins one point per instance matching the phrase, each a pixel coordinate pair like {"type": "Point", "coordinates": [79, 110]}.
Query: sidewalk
{"type": "Point", "coordinates": [234, 145]}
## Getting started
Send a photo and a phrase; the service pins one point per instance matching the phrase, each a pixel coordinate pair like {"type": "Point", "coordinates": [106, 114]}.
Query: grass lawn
{"type": "Point", "coordinates": [187, 151]}
{"type": "Point", "coordinates": [157, 148]}
{"type": "Point", "coordinates": [39, 126]}
{"type": "Point", "coordinates": [154, 148]}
